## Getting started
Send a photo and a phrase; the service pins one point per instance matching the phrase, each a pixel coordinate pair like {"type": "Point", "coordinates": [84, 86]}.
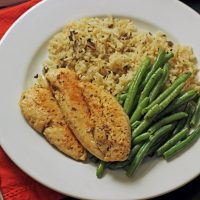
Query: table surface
{"type": "Point", "coordinates": [191, 191]}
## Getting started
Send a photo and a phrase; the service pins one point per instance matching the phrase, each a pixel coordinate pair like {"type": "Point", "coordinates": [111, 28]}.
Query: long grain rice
{"type": "Point", "coordinates": [108, 52]}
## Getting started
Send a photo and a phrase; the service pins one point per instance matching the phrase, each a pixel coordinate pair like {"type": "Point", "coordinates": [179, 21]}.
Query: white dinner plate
{"type": "Point", "coordinates": [22, 50]}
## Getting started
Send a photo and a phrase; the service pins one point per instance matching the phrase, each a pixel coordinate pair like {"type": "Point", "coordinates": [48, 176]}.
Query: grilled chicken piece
{"type": "Point", "coordinates": [112, 130]}
{"type": "Point", "coordinates": [95, 117]}
{"type": "Point", "coordinates": [42, 112]}
{"type": "Point", "coordinates": [69, 95]}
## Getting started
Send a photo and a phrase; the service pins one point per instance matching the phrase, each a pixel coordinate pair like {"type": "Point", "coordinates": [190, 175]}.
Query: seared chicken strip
{"type": "Point", "coordinates": [95, 117]}
{"type": "Point", "coordinates": [42, 112]}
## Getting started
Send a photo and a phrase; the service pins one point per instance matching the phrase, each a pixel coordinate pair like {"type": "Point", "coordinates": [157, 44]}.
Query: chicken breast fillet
{"type": "Point", "coordinates": [112, 132]}
{"type": "Point", "coordinates": [42, 112]}
{"type": "Point", "coordinates": [94, 115]}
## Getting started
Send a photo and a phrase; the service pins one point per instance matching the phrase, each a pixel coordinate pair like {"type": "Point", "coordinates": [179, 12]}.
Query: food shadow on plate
{"type": "Point", "coordinates": [144, 168]}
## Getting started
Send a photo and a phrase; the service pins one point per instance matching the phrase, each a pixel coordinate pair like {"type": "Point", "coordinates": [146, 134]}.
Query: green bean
{"type": "Point", "coordinates": [184, 98]}
{"type": "Point", "coordinates": [141, 138]}
{"type": "Point", "coordinates": [100, 169]}
{"type": "Point", "coordinates": [167, 57]}
{"type": "Point", "coordinates": [123, 164]}
{"type": "Point", "coordinates": [165, 102]}
{"type": "Point", "coordinates": [145, 136]}
{"type": "Point", "coordinates": [145, 123]}
{"type": "Point", "coordinates": [134, 86]}
{"type": "Point", "coordinates": [182, 145]}
{"type": "Point", "coordinates": [172, 141]}
{"type": "Point", "coordinates": [196, 116]}
{"type": "Point", "coordinates": [125, 90]}
{"type": "Point", "coordinates": [166, 73]}
{"type": "Point", "coordinates": [152, 112]}
{"type": "Point", "coordinates": [168, 91]}
{"type": "Point", "coordinates": [159, 143]}
{"type": "Point", "coordinates": [118, 165]}
{"type": "Point", "coordinates": [123, 97]}
{"type": "Point", "coordinates": [135, 125]}
{"type": "Point", "coordinates": [134, 151]}
{"type": "Point", "coordinates": [179, 126]}
{"type": "Point", "coordinates": [190, 111]}
{"type": "Point", "coordinates": [167, 120]}
{"type": "Point", "coordinates": [162, 140]}
{"type": "Point", "coordinates": [155, 66]}
{"type": "Point", "coordinates": [157, 89]}
{"type": "Point", "coordinates": [180, 123]}
{"type": "Point", "coordinates": [135, 103]}
{"type": "Point", "coordinates": [143, 152]}
{"type": "Point", "coordinates": [127, 86]}
{"type": "Point", "coordinates": [141, 128]}
{"type": "Point", "coordinates": [138, 112]}
{"type": "Point", "coordinates": [150, 84]}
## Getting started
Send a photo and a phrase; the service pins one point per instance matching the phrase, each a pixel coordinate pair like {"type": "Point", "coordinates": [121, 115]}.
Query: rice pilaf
{"type": "Point", "coordinates": [108, 52]}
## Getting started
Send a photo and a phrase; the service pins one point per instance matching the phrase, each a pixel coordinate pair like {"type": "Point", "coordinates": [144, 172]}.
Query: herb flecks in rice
{"type": "Point", "coordinates": [108, 52]}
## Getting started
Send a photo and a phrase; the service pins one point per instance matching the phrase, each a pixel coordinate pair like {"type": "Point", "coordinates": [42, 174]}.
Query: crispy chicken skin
{"type": "Point", "coordinates": [95, 117]}
{"type": "Point", "coordinates": [42, 112]}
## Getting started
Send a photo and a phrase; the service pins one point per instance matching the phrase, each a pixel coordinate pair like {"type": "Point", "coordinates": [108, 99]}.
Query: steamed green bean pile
{"type": "Point", "coordinates": [164, 120]}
